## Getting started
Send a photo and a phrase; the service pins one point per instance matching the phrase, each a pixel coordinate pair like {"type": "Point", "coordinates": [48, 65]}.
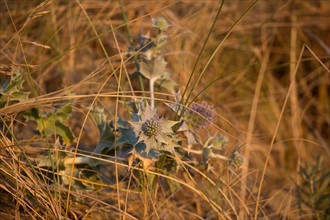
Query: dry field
{"type": "Point", "coordinates": [79, 141]}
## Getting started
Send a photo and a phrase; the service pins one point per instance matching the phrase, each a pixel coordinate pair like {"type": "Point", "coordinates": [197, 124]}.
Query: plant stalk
{"type": "Point", "coordinates": [152, 94]}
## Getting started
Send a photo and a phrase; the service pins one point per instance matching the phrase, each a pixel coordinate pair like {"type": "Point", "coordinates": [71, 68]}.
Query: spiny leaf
{"type": "Point", "coordinates": [52, 123]}
{"type": "Point", "coordinates": [106, 139]}
{"type": "Point", "coordinates": [153, 69]}
{"type": "Point", "coordinates": [140, 149]}
{"type": "Point", "coordinates": [107, 134]}
{"type": "Point", "coordinates": [147, 159]}
{"type": "Point", "coordinates": [11, 89]}
{"type": "Point", "coordinates": [191, 139]}
{"type": "Point", "coordinates": [64, 131]}
{"type": "Point", "coordinates": [127, 132]}
{"type": "Point", "coordinates": [216, 142]}
{"type": "Point", "coordinates": [167, 84]}
{"type": "Point", "coordinates": [172, 143]}
{"type": "Point", "coordinates": [64, 112]}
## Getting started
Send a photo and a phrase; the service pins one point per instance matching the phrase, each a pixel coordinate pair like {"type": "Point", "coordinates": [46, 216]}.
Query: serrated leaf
{"type": "Point", "coordinates": [148, 161]}
{"type": "Point", "coordinates": [127, 135]}
{"type": "Point", "coordinates": [167, 84]}
{"type": "Point", "coordinates": [140, 149]}
{"type": "Point", "coordinates": [52, 123]}
{"type": "Point", "coordinates": [11, 89]}
{"type": "Point", "coordinates": [65, 132]}
{"type": "Point", "coordinates": [19, 96]}
{"type": "Point", "coordinates": [191, 139]}
{"type": "Point", "coordinates": [172, 143]}
{"type": "Point", "coordinates": [107, 134]}
{"type": "Point", "coordinates": [153, 69]}
{"type": "Point", "coordinates": [218, 142]}
{"type": "Point", "coordinates": [106, 139]}
{"type": "Point", "coordinates": [64, 112]}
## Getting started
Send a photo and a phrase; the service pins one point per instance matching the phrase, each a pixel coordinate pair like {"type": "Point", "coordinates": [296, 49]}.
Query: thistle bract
{"type": "Point", "coordinates": [153, 131]}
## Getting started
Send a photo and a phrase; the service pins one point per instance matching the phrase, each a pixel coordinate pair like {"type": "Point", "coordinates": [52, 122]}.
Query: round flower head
{"type": "Point", "coordinates": [236, 160]}
{"type": "Point", "coordinates": [152, 130]}
{"type": "Point", "coordinates": [199, 115]}
{"type": "Point", "coordinates": [151, 127]}
{"type": "Point", "coordinates": [160, 23]}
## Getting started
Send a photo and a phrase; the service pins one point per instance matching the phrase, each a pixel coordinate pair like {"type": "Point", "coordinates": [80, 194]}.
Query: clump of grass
{"type": "Point", "coordinates": [313, 191]}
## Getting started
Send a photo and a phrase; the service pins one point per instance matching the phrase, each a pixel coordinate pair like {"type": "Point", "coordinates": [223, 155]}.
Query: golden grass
{"type": "Point", "coordinates": [271, 94]}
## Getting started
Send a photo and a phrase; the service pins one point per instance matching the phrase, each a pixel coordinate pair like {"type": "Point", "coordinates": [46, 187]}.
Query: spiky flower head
{"type": "Point", "coordinates": [160, 23]}
{"type": "Point", "coordinates": [152, 130]}
{"type": "Point", "coordinates": [236, 160]}
{"type": "Point", "coordinates": [199, 115]}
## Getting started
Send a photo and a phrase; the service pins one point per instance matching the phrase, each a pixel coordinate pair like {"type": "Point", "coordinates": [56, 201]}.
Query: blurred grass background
{"type": "Point", "coordinates": [272, 94]}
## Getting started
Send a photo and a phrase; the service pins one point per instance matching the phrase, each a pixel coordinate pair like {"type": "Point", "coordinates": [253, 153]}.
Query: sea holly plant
{"type": "Point", "coordinates": [147, 137]}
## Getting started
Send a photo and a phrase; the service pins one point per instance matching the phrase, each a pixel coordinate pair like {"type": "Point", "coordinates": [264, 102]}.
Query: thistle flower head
{"type": "Point", "coordinates": [152, 130]}
{"type": "Point", "coordinates": [151, 127]}
{"type": "Point", "coordinates": [199, 115]}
